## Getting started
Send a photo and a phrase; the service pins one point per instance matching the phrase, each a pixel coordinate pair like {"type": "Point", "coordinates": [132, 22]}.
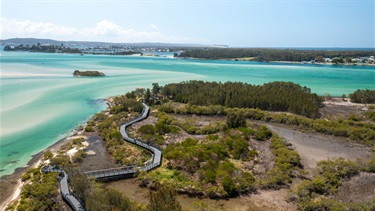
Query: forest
{"type": "Point", "coordinates": [274, 96]}
{"type": "Point", "coordinates": [264, 54]}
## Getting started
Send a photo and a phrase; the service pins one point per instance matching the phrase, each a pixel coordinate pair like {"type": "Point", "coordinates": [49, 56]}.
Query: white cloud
{"type": "Point", "coordinates": [154, 26]}
{"type": "Point", "coordinates": [104, 30]}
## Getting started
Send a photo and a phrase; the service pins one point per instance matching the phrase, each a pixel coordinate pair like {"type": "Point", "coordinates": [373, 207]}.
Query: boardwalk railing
{"type": "Point", "coordinates": [113, 173]}
{"type": "Point", "coordinates": [68, 197]}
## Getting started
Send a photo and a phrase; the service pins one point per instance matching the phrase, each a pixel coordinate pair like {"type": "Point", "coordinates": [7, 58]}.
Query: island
{"type": "Point", "coordinates": [90, 73]}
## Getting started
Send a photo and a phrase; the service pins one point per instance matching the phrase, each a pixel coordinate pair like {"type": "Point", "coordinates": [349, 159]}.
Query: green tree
{"type": "Point", "coordinates": [319, 59]}
{"type": "Point", "coordinates": [80, 185]}
{"type": "Point", "coordinates": [348, 60]}
{"type": "Point", "coordinates": [155, 89]}
{"type": "Point", "coordinates": [235, 119]}
{"type": "Point", "coordinates": [337, 60]}
{"type": "Point", "coordinates": [148, 96]}
{"type": "Point", "coordinates": [109, 199]}
{"type": "Point", "coordinates": [229, 185]}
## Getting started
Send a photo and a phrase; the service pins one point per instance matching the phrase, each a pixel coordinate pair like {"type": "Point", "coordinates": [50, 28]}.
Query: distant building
{"type": "Point", "coordinates": [327, 60]}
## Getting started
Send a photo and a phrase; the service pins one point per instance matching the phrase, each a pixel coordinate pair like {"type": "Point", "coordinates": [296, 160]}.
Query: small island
{"type": "Point", "coordinates": [90, 73]}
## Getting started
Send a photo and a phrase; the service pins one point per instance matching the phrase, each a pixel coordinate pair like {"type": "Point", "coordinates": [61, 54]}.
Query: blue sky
{"type": "Point", "coordinates": [237, 23]}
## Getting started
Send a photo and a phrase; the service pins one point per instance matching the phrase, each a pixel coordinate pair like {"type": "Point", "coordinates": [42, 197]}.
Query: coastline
{"type": "Point", "coordinates": [10, 185]}
{"type": "Point", "coordinates": [278, 62]}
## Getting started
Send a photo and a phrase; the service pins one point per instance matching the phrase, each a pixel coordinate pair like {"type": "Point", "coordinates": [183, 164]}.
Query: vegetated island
{"type": "Point", "coordinates": [217, 143]}
{"type": "Point", "coordinates": [89, 73]}
{"type": "Point", "coordinates": [285, 55]}
{"type": "Point", "coordinates": [43, 48]}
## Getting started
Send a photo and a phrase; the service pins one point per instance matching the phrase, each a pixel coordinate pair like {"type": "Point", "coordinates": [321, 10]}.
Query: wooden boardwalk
{"type": "Point", "coordinates": [113, 173]}
{"type": "Point", "coordinates": [68, 197]}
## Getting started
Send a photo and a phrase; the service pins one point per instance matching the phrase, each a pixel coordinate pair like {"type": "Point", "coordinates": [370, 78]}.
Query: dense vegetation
{"type": "Point", "coordinates": [39, 193]}
{"type": "Point", "coordinates": [262, 54]}
{"type": "Point", "coordinates": [353, 128]}
{"type": "Point", "coordinates": [274, 96]}
{"type": "Point", "coordinates": [363, 96]}
{"type": "Point", "coordinates": [108, 127]}
{"type": "Point", "coordinates": [204, 168]}
{"type": "Point", "coordinates": [97, 197]}
{"type": "Point", "coordinates": [126, 53]}
{"type": "Point", "coordinates": [212, 167]}
{"type": "Point", "coordinates": [43, 48]}
{"type": "Point", "coordinates": [316, 194]}
{"type": "Point", "coordinates": [87, 73]}
{"type": "Point", "coordinates": [287, 165]}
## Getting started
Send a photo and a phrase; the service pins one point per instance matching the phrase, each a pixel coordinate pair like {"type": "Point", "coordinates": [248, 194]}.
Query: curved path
{"type": "Point", "coordinates": [113, 173]}
{"type": "Point", "coordinates": [68, 197]}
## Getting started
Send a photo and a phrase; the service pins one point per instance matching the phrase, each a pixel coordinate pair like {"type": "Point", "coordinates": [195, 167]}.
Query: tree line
{"type": "Point", "coordinates": [363, 96]}
{"type": "Point", "coordinates": [263, 54]}
{"type": "Point", "coordinates": [42, 48]}
{"type": "Point", "coordinates": [274, 96]}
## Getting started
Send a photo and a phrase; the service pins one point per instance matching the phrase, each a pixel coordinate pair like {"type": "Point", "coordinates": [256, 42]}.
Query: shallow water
{"type": "Point", "coordinates": [41, 102]}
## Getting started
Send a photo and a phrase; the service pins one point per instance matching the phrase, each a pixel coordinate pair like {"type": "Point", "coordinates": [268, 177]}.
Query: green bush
{"type": "Point", "coordinates": [89, 129]}
{"type": "Point", "coordinates": [286, 161]}
{"type": "Point", "coordinates": [146, 129]}
{"type": "Point", "coordinates": [229, 186]}
{"type": "Point", "coordinates": [263, 133]}
{"type": "Point", "coordinates": [47, 155]}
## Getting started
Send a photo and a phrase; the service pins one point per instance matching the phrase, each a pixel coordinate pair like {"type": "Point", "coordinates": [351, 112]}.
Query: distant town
{"type": "Point", "coordinates": [191, 51]}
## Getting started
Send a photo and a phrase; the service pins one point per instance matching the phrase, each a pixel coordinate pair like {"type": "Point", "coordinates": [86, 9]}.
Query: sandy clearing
{"type": "Point", "coordinates": [316, 147]}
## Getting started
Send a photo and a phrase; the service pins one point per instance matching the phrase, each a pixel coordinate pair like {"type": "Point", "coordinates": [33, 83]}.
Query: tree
{"type": "Point", "coordinates": [343, 96]}
{"type": "Point", "coordinates": [229, 186]}
{"type": "Point", "coordinates": [109, 199]}
{"type": "Point", "coordinates": [235, 119]}
{"type": "Point", "coordinates": [337, 60]}
{"type": "Point", "coordinates": [319, 59]}
{"type": "Point", "coordinates": [81, 185]}
{"type": "Point", "coordinates": [348, 60]}
{"type": "Point", "coordinates": [155, 89]}
{"type": "Point", "coordinates": [148, 96]}
{"type": "Point", "coordinates": [163, 199]}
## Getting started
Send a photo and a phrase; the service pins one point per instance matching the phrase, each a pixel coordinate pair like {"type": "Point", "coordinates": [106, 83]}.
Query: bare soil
{"type": "Point", "coordinates": [313, 148]}
{"type": "Point", "coordinates": [91, 162]}
{"type": "Point", "coordinates": [336, 108]}
{"type": "Point", "coordinates": [265, 200]}
{"type": "Point", "coordinates": [265, 158]}
{"type": "Point", "coordinates": [360, 188]}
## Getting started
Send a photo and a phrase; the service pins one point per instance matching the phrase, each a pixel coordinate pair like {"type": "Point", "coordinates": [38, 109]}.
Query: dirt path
{"type": "Point", "coordinates": [316, 147]}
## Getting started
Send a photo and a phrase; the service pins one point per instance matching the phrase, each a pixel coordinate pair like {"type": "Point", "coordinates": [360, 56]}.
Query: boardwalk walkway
{"type": "Point", "coordinates": [68, 197]}
{"type": "Point", "coordinates": [113, 173]}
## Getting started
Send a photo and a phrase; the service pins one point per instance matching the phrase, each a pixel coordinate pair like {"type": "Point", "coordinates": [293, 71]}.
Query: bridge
{"type": "Point", "coordinates": [112, 173]}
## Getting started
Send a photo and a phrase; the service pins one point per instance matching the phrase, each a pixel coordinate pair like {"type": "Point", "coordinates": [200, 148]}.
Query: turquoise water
{"type": "Point", "coordinates": [41, 102]}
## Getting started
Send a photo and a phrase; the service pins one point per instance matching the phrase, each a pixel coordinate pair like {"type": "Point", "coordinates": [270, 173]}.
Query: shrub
{"type": "Point", "coordinates": [146, 129]}
{"type": "Point", "coordinates": [235, 118]}
{"type": "Point", "coordinates": [47, 155]}
{"type": "Point", "coordinates": [229, 185]}
{"type": "Point", "coordinates": [164, 198]}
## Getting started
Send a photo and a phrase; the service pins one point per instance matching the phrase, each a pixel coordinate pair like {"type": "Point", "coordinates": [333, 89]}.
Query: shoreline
{"type": "Point", "coordinates": [279, 62]}
{"type": "Point", "coordinates": [10, 185]}
{"type": "Point", "coordinates": [12, 182]}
